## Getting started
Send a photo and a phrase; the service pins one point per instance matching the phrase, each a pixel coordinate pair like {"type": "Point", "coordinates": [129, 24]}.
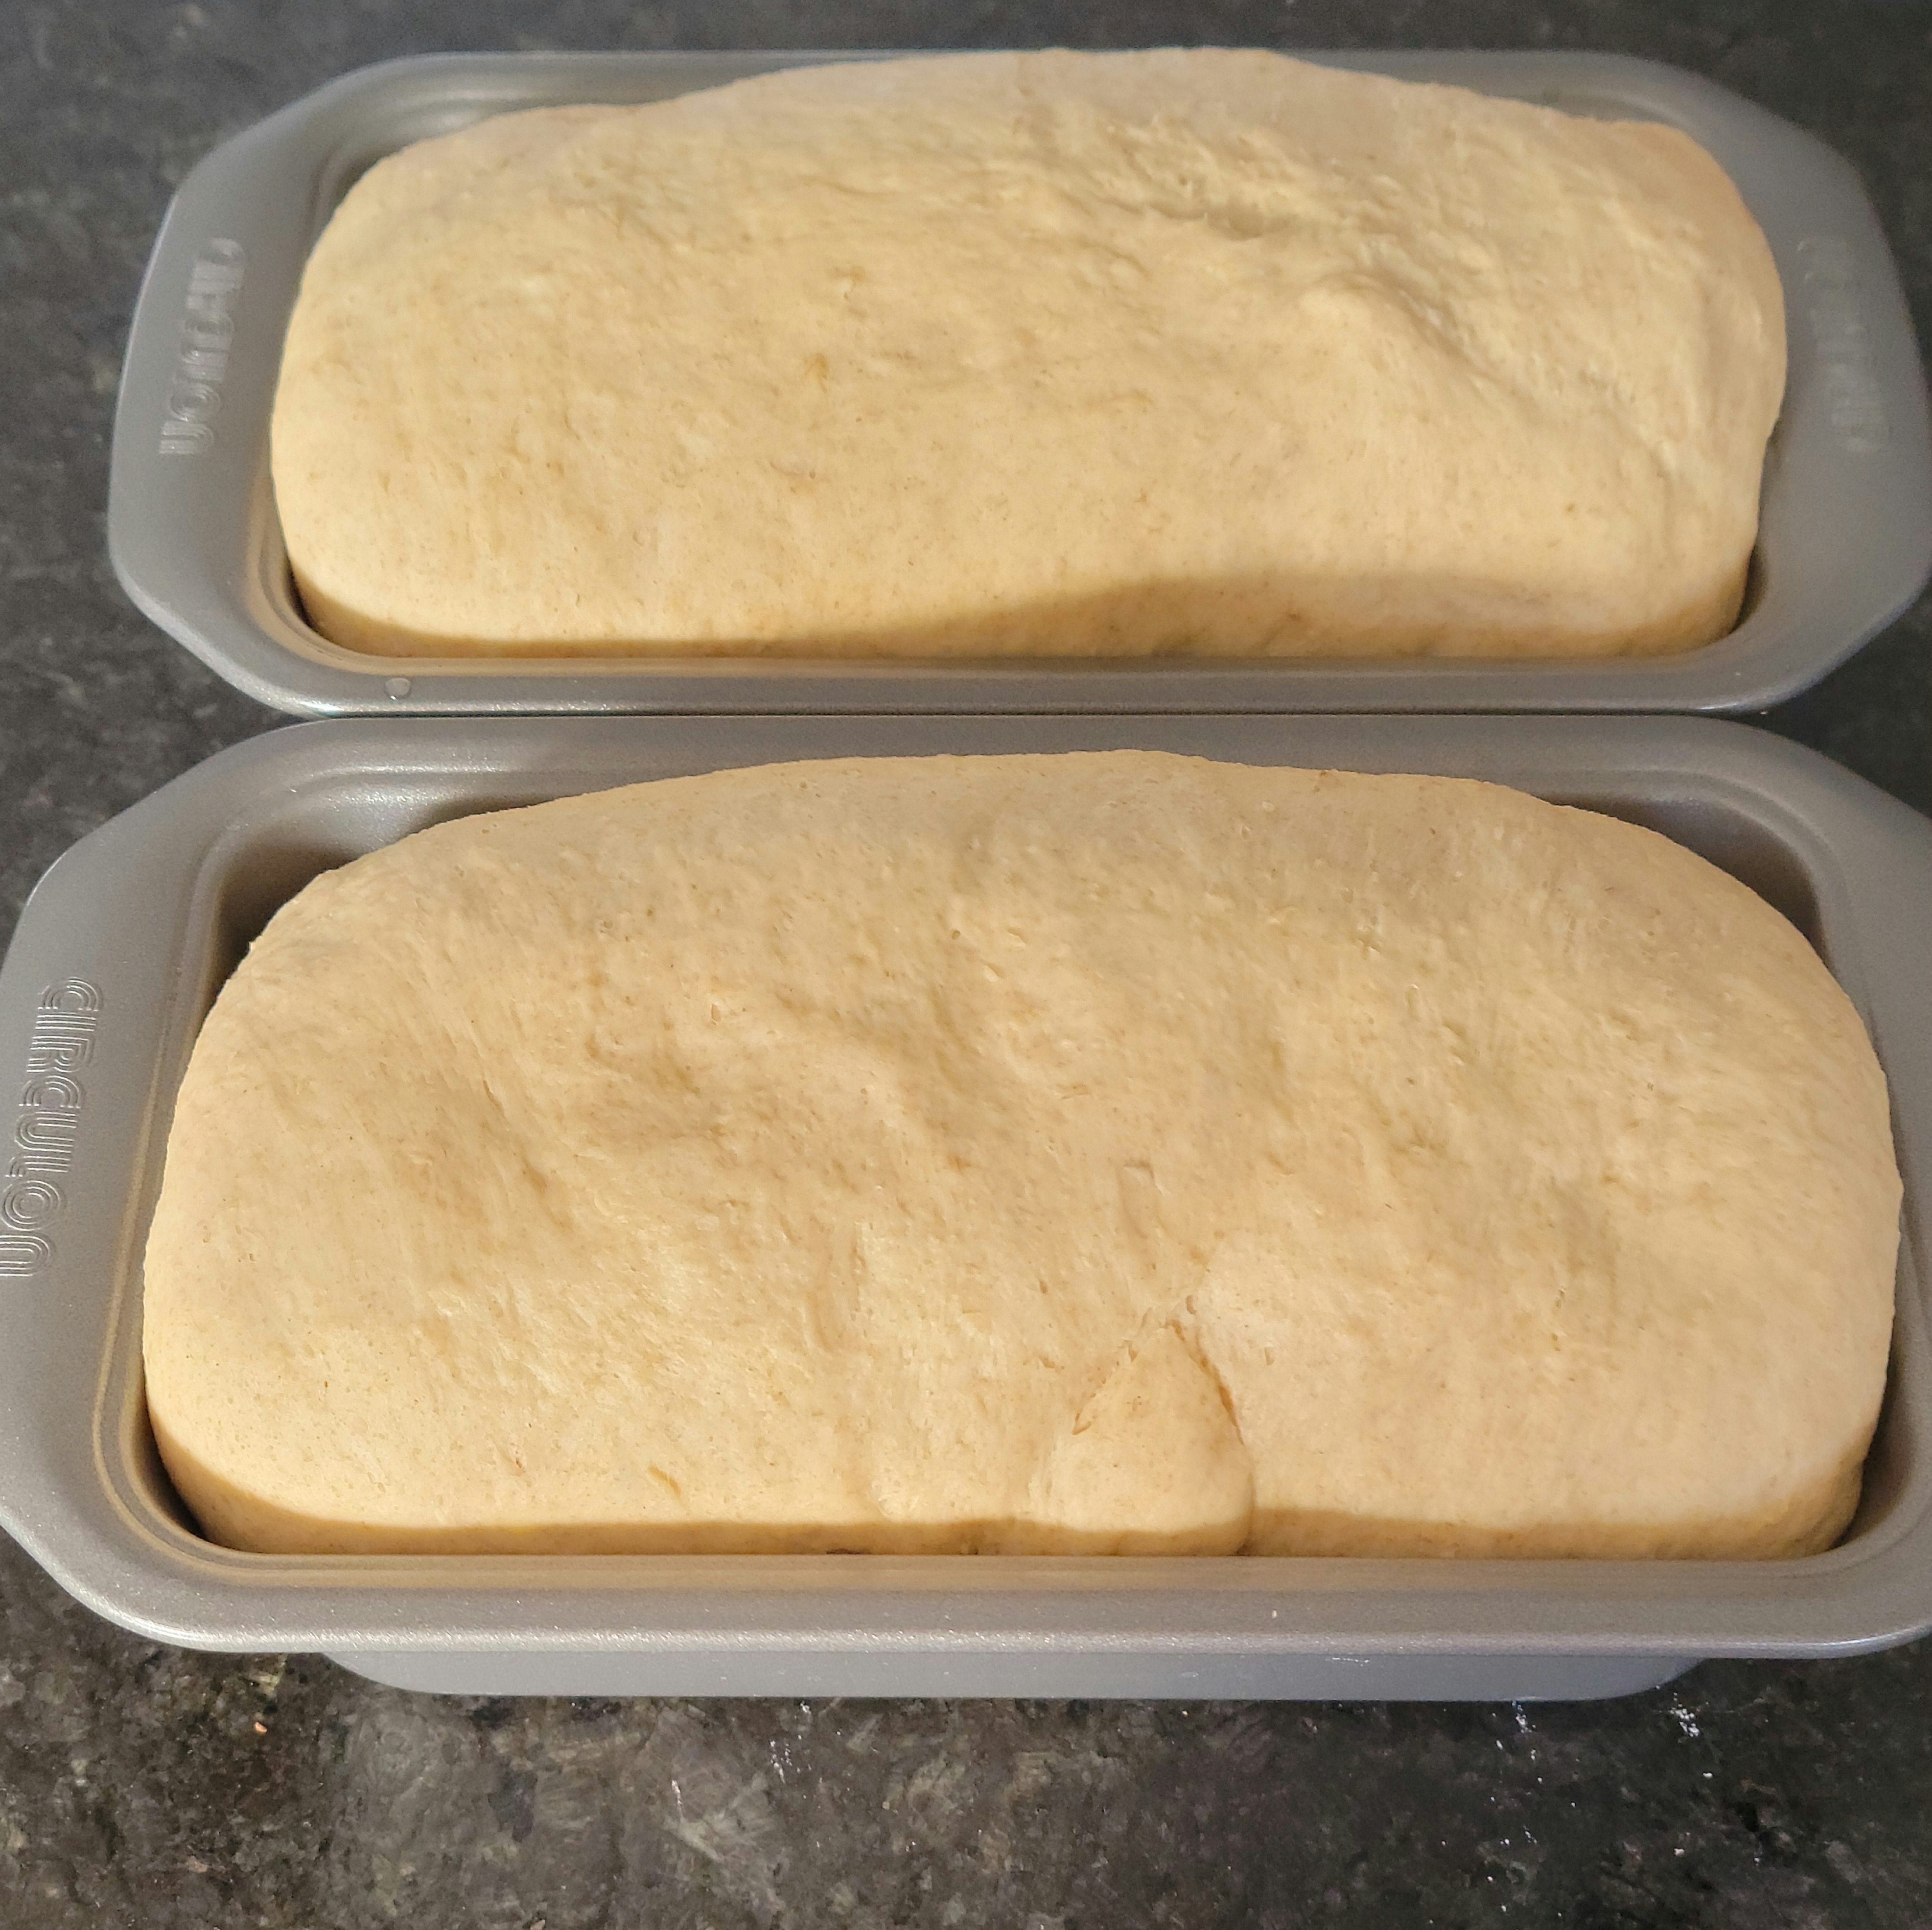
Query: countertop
{"type": "Point", "coordinates": [140, 1785]}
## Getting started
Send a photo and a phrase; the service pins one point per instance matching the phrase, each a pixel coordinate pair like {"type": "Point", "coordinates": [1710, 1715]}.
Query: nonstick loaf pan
{"type": "Point", "coordinates": [122, 947]}
{"type": "Point", "coordinates": [1844, 544]}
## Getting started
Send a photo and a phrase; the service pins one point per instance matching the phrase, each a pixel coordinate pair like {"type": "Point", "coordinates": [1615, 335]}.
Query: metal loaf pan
{"type": "Point", "coordinates": [120, 952]}
{"type": "Point", "coordinates": [1845, 541]}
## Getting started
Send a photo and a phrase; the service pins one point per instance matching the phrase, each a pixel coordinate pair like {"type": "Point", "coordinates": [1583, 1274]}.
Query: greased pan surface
{"type": "Point", "coordinates": [1845, 540]}
{"type": "Point", "coordinates": [121, 950]}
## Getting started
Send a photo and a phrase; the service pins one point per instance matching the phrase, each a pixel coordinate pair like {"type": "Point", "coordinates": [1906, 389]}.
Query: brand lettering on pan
{"type": "Point", "coordinates": [1852, 398]}
{"type": "Point", "coordinates": [46, 1125]}
{"type": "Point", "coordinates": [208, 332]}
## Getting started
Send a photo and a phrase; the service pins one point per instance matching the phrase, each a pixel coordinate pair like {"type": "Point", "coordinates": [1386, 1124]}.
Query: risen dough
{"type": "Point", "coordinates": [1209, 351]}
{"type": "Point", "coordinates": [1117, 1152]}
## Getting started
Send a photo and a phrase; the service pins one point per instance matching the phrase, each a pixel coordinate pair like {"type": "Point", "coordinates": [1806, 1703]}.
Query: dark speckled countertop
{"type": "Point", "coordinates": [140, 1786]}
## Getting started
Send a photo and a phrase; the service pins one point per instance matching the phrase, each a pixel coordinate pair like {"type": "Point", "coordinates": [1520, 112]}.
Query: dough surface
{"type": "Point", "coordinates": [1090, 1153]}
{"type": "Point", "coordinates": [1206, 352]}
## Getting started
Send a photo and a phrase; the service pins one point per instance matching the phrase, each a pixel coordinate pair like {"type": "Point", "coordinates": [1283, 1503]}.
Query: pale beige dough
{"type": "Point", "coordinates": [1209, 352]}
{"type": "Point", "coordinates": [1118, 1152]}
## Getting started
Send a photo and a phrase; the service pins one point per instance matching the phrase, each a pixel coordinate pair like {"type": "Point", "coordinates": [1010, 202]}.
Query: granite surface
{"type": "Point", "coordinates": [143, 1786]}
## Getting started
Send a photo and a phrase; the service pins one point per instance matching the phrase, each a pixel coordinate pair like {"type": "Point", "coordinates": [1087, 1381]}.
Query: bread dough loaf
{"type": "Point", "coordinates": [1206, 352]}
{"type": "Point", "coordinates": [1119, 1152]}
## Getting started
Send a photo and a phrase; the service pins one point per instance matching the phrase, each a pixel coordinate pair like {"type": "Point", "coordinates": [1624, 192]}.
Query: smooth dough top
{"type": "Point", "coordinates": [1104, 1153]}
{"type": "Point", "coordinates": [1208, 351]}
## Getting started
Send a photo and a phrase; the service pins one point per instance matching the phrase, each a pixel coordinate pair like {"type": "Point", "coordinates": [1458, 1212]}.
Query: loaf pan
{"type": "Point", "coordinates": [119, 953]}
{"type": "Point", "coordinates": [1845, 541]}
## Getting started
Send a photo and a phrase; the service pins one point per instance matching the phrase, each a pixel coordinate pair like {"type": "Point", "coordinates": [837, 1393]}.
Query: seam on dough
{"type": "Point", "coordinates": [1201, 1358]}
{"type": "Point", "coordinates": [1123, 1357]}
